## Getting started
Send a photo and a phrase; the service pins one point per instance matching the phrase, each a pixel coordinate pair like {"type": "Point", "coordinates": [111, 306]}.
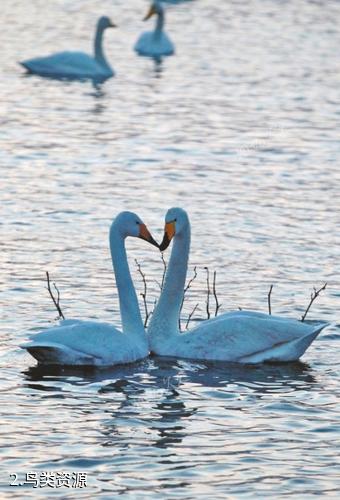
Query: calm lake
{"type": "Point", "coordinates": [240, 128]}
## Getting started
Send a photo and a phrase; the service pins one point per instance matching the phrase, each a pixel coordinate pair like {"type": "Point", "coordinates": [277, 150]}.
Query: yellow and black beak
{"type": "Point", "coordinates": [145, 234]}
{"type": "Point", "coordinates": [150, 13]}
{"type": "Point", "coordinates": [169, 233]}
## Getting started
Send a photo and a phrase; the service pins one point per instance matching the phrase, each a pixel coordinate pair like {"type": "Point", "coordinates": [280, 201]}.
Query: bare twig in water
{"type": "Point", "coordinates": [161, 284]}
{"type": "Point", "coordinates": [269, 302]}
{"type": "Point", "coordinates": [218, 305]}
{"type": "Point", "coordinates": [56, 301]}
{"type": "Point", "coordinates": [143, 294]}
{"type": "Point", "coordinates": [208, 293]}
{"type": "Point", "coordinates": [190, 316]}
{"type": "Point", "coordinates": [313, 296]}
{"type": "Point", "coordinates": [164, 270]}
{"type": "Point", "coordinates": [191, 280]}
{"type": "Point", "coordinates": [183, 298]}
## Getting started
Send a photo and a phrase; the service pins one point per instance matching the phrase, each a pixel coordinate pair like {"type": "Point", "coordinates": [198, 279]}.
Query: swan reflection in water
{"type": "Point", "coordinates": [156, 373]}
{"type": "Point", "coordinates": [159, 381]}
{"type": "Point", "coordinates": [155, 401]}
{"type": "Point", "coordinates": [175, 376]}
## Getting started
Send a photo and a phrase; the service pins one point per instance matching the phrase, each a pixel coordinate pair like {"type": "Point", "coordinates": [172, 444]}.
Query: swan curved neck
{"type": "Point", "coordinates": [98, 48]}
{"type": "Point", "coordinates": [160, 21]}
{"type": "Point", "coordinates": [129, 309]}
{"type": "Point", "coordinates": [164, 320]}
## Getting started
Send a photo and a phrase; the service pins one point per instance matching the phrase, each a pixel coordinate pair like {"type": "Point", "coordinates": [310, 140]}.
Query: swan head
{"type": "Point", "coordinates": [176, 221]}
{"type": "Point", "coordinates": [129, 224]}
{"type": "Point", "coordinates": [155, 9]}
{"type": "Point", "coordinates": [105, 22]}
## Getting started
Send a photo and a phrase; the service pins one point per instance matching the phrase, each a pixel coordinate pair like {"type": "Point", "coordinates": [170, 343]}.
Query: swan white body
{"type": "Point", "coordinates": [77, 342]}
{"type": "Point", "coordinates": [240, 336]}
{"type": "Point", "coordinates": [155, 43]}
{"type": "Point", "coordinates": [75, 65]}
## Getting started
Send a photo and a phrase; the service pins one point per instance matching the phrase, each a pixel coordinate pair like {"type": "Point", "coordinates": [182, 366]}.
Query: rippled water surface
{"type": "Point", "coordinates": [241, 128]}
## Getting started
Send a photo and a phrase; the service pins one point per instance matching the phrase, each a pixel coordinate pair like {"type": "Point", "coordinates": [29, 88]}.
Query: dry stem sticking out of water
{"type": "Point", "coordinates": [183, 299]}
{"type": "Point", "coordinates": [190, 316]}
{"type": "Point", "coordinates": [313, 296]}
{"type": "Point", "coordinates": [56, 301]}
{"type": "Point", "coordinates": [161, 284]}
{"type": "Point", "coordinates": [143, 294]}
{"type": "Point", "coordinates": [218, 305]}
{"type": "Point", "coordinates": [208, 293]}
{"type": "Point", "coordinates": [269, 303]}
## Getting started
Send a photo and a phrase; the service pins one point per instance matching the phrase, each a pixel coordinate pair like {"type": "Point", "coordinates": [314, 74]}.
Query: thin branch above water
{"type": "Point", "coordinates": [313, 296]}
{"type": "Point", "coordinates": [56, 301]}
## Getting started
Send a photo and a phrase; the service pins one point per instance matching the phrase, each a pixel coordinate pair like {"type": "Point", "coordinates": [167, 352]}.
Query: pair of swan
{"type": "Point", "coordinates": [241, 336]}
{"type": "Point", "coordinates": [79, 65]}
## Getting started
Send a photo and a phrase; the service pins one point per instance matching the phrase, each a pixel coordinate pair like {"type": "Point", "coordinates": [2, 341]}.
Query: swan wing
{"type": "Point", "coordinates": [248, 338]}
{"type": "Point", "coordinates": [79, 342]}
{"type": "Point", "coordinates": [153, 45]}
{"type": "Point", "coordinates": [286, 351]}
{"type": "Point", "coordinates": [65, 64]}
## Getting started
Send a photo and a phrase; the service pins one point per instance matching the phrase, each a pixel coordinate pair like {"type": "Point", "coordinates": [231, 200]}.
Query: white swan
{"type": "Point", "coordinates": [75, 65]}
{"type": "Point", "coordinates": [241, 336]}
{"type": "Point", "coordinates": [77, 342]}
{"type": "Point", "coordinates": [155, 43]}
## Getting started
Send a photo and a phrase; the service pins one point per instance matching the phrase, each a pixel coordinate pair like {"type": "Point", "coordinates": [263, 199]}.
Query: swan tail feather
{"type": "Point", "coordinates": [26, 65]}
{"type": "Point", "coordinates": [285, 351]}
{"type": "Point", "coordinates": [49, 353]}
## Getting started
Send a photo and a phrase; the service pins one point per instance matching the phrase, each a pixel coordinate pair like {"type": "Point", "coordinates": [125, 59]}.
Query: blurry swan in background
{"type": "Point", "coordinates": [90, 343]}
{"type": "Point", "coordinates": [155, 43]}
{"type": "Point", "coordinates": [75, 65]}
{"type": "Point", "coordinates": [240, 336]}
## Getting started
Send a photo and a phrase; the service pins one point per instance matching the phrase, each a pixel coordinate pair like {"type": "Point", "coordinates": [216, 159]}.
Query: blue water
{"type": "Point", "coordinates": [241, 128]}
